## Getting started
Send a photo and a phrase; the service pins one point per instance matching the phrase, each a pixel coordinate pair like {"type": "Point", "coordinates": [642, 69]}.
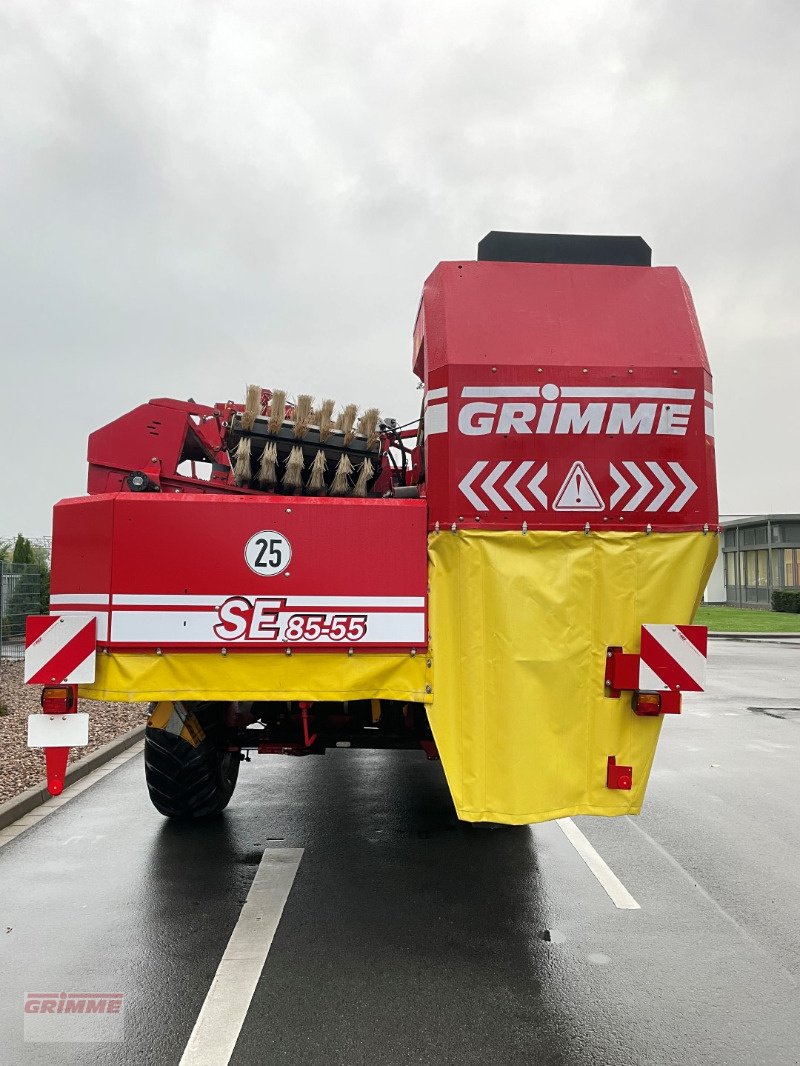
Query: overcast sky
{"type": "Point", "coordinates": [197, 195]}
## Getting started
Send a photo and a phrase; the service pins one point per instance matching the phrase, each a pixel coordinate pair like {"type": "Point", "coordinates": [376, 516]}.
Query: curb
{"type": "Point", "coordinates": [15, 808]}
{"type": "Point", "coordinates": [753, 636]}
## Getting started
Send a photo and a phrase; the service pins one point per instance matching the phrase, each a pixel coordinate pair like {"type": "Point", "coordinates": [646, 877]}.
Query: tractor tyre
{"type": "Point", "coordinates": [189, 772]}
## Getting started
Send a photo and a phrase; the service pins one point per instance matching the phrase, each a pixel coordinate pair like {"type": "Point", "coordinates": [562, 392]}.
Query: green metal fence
{"type": "Point", "coordinates": [20, 585]}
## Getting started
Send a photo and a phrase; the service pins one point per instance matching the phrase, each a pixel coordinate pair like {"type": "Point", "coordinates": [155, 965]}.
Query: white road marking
{"type": "Point", "coordinates": [38, 814]}
{"type": "Point", "coordinates": [618, 893]}
{"type": "Point", "coordinates": [223, 1013]}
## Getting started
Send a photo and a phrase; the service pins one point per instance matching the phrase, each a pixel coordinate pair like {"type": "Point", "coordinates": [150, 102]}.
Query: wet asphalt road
{"type": "Point", "coordinates": [407, 938]}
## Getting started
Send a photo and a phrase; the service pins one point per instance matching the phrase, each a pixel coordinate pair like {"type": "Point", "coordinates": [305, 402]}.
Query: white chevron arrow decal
{"type": "Point", "coordinates": [493, 484]}
{"type": "Point", "coordinates": [622, 486]}
{"type": "Point", "coordinates": [689, 486]}
{"type": "Point", "coordinates": [535, 486]}
{"type": "Point", "coordinates": [466, 486]}
{"type": "Point", "coordinates": [489, 489]}
{"type": "Point", "coordinates": [513, 491]}
{"type": "Point", "coordinates": [683, 485]}
{"type": "Point", "coordinates": [644, 487]}
{"type": "Point", "coordinates": [666, 487]}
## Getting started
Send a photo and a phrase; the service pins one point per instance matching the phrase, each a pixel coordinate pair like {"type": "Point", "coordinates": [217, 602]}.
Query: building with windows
{"type": "Point", "coordinates": [759, 553]}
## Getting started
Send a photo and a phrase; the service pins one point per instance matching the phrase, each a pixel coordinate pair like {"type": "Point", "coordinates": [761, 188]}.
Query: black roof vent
{"type": "Point", "coordinates": [501, 247]}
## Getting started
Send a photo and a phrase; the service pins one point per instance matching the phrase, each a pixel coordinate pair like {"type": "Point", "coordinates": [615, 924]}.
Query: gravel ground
{"type": "Point", "coordinates": [22, 767]}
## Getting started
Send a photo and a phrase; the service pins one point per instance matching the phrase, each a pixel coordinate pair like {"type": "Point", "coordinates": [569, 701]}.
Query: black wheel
{"type": "Point", "coordinates": [188, 771]}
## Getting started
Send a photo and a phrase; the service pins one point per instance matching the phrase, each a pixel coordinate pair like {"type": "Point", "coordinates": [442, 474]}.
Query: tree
{"type": "Point", "coordinates": [40, 557]}
{"type": "Point", "coordinates": [34, 555]}
{"type": "Point", "coordinates": [23, 550]}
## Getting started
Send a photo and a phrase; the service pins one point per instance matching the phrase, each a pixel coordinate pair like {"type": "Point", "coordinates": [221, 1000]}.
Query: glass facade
{"type": "Point", "coordinates": [761, 557]}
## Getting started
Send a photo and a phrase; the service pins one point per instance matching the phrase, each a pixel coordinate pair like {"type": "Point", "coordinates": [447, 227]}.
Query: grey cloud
{"type": "Point", "coordinates": [200, 194]}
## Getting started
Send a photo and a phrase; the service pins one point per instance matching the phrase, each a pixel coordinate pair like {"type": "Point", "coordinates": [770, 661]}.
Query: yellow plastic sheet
{"type": "Point", "coordinates": [252, 676]}
{"type": "Point", "coordinates": [520, 624]}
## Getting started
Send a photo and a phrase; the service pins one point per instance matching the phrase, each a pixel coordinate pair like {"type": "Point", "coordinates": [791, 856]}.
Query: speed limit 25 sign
{"type": "Point", "coordinates": [268, 553]}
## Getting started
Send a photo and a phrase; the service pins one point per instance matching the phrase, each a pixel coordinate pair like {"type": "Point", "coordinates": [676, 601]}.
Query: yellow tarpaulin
{"type": "Point", "coordinates": [520, 624]}
{"type": "Point", "coordinates": [251, 676]}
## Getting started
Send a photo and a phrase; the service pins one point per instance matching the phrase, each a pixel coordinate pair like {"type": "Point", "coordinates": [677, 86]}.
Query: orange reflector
{"type": "Point", "coordinates": [647, 703]}
{"type": "Point", "coordinates": [57, 700]}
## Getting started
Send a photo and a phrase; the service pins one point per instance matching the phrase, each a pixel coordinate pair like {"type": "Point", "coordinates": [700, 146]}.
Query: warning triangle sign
{"type": "Point", "coordinates": [578, 493]}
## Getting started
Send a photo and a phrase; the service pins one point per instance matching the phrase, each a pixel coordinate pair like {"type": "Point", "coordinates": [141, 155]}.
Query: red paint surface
{"type": "Point", "coordinates": [512, 326]}
{"type": "Point", "coordinates": [156, 544]}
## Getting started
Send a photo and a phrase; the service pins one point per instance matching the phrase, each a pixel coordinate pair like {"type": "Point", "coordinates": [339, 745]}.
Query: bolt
{"type": "Point", "coordinates": [288, 651]}
{"type": "Point", "coordinates": [428, 689]}
{"type": "Point", "coordinates": [453, 528]}
{"type": "Point", "coordinates": [288, 510]}
{"type": "Point", "coordinates": [349, 651]}
{"type": "Point", "coordinates": [413, 652]}
{"type": "Point", "coordinates": [428, 663]}
{"type": "Point", "coordinates": [223, 651]}
{"type": "Point", "coordinates": [158, 651]}
{"type": "Point", "coordinates": [524, 527]}
{"type": "Point", "coordinates": [608, 684]}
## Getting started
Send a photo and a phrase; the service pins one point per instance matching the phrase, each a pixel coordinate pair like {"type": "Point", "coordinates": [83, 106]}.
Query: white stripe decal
{"type": "Point", "coordinates": [709, 421]}
{"type": "Point", "coordinates": [436, 419]}
{"type": "Point", "coordinates": [138, 600]}
{"type": "Point", "coordinates": [291, 601]}
{"type": "Point", "coordinates": [436, 394]}
{"type": "Point", "coordinates": [89, 598]}
{"type": "Point", "coordinates": [709, 397]}
{"type": "Point", "coordinates": [225, 1008]}
{"type": "Point", "coordinates": [197, 627]}
{"type": "Point", "coordinates": [640, 393]}
{"type": "Point", "coordinates": [479, 391]}
{"type": "Point", "coordinates": [101, 617]}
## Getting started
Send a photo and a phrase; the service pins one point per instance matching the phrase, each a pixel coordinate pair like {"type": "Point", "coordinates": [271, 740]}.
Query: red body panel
{"type": "Point", "coordinates": [152, 438]}
{"type": "Point", "coordinates": [558, 395]}
{"type": "Point", "coordinates": [170, 571]}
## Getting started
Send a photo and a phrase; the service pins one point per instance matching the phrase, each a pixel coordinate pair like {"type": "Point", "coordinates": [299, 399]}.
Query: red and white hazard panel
{"type": "Point", "coordinates": [60, 649]}
{"type": "Point", "coordinates": [673, 658]}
